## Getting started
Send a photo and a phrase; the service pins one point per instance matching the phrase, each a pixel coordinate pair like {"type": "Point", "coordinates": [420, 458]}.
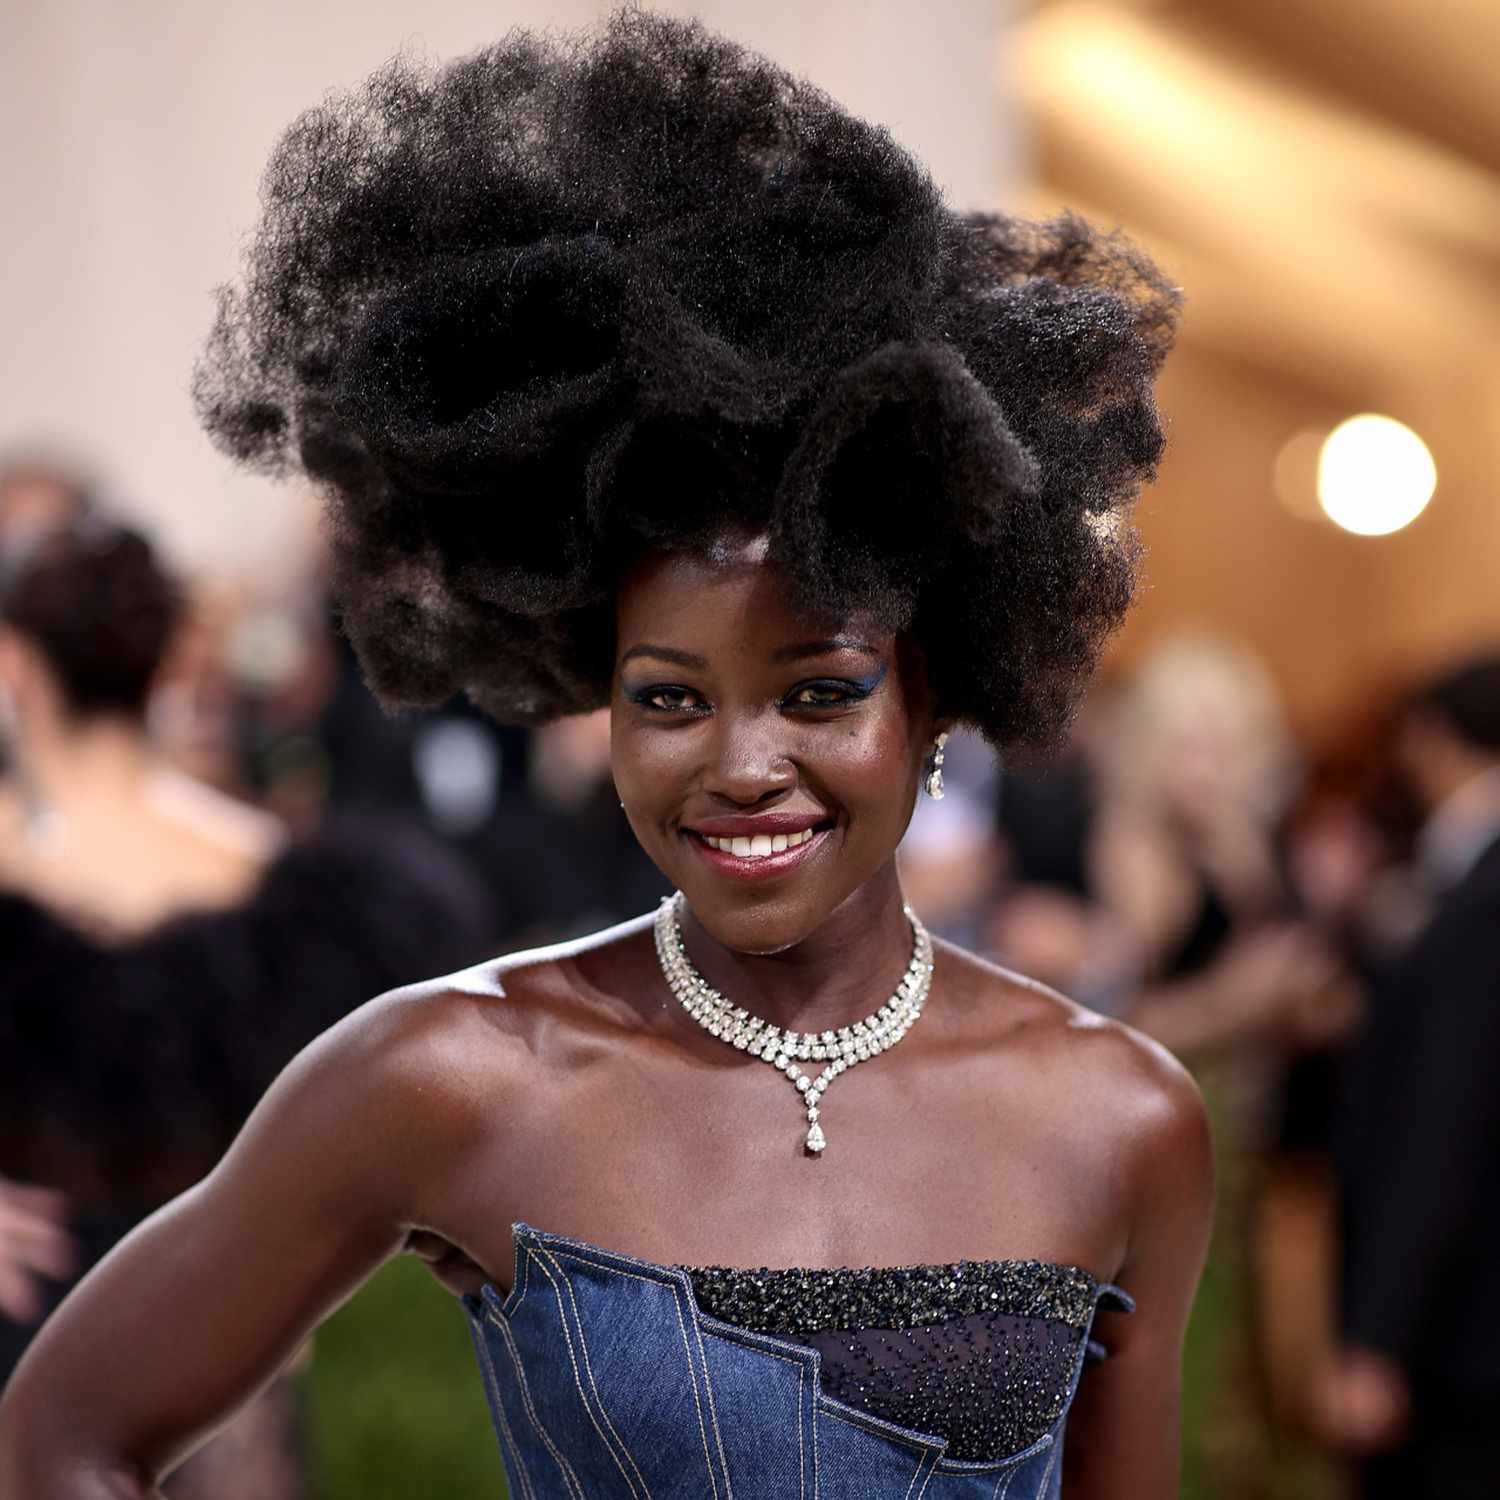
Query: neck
{"type": "Point", "coordinates": [837, 975]}
{"type": "Point", "coordinates": [99, 761]}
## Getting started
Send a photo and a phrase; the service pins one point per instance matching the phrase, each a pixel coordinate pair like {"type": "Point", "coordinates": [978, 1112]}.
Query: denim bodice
{"type": "Point", "coordinates": [608, 1381]}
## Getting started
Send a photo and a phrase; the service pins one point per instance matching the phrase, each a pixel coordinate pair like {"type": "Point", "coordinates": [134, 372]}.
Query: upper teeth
{"type": "Point", "coordinates": [759, 846]}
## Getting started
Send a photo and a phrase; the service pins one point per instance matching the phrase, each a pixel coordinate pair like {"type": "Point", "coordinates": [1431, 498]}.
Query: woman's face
{"type": "Point", "coordinates": [768, 764]}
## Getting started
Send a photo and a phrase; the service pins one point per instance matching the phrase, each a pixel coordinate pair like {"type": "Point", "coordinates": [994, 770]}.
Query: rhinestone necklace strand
{"type": "Point", "coordinates": [784, 1050]}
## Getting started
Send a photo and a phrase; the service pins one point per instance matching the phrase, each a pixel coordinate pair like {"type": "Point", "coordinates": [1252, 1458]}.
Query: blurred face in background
{"type": "Point", "coordinates": [1203, 762]}
{"type": "Point", "coordinates": [1200, 736]}
{"type": "Point", "coordinates": [36, 500]}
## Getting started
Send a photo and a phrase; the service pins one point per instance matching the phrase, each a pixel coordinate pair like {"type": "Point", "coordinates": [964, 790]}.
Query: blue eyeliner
{"type": "Point", "coordinates": [867, 685]}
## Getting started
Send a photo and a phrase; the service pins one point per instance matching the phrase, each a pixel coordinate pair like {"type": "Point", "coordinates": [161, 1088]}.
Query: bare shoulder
{"type": "Point", "coordinates": [592, 981]}
{"type": "Point", "coordinates": [440, 1054]}
{"type": "Point", "coordinates": [213, 818]}
{"type": "Point", "coordinates": [1132, 1083]}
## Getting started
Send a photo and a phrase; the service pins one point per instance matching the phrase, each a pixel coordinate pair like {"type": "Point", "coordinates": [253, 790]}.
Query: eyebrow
{"type": "Point", "coordinates": [666, 653]}
{"type": "Point", "coordinates": [822, 648]}
{"type": "Point", "coordinates": [799, 652]}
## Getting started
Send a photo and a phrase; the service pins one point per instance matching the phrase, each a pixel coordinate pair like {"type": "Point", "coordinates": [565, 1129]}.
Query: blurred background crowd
{"type": "Point", "coordinates": [1272, 842]}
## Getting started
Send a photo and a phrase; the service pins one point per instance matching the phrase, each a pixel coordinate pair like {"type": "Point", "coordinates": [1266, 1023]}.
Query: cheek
{"type": "Point", "coordinates": [624, 758]}
{"type": "Point", "coordinates": [868, 765]}
{"type": "Point", "coordinates": [648, 768]}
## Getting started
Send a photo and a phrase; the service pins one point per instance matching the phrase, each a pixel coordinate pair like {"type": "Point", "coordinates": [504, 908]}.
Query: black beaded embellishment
{"type": "Point", "coordinates": [798, 1301]}
{"type": "Point", "coordinates": [979, 1353]}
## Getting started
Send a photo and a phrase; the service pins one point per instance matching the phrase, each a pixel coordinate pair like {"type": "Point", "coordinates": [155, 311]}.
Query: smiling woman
{"type": "Point", "coordinates": [637, 373]}
{"type": "Point", "coordinates": [767, 726]}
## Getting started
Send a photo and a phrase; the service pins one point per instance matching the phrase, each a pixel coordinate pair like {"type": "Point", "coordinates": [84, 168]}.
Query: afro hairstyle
{"type": "Point", "coordinates": [523, 316]}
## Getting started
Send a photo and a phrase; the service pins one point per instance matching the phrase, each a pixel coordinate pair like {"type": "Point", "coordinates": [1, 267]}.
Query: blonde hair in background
{"type": "Point", "coordinates": [1199, 707]}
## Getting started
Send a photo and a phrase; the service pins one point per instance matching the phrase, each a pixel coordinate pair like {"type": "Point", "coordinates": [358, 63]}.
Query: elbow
{"type": "Point", "coordinates": [41, 1458]}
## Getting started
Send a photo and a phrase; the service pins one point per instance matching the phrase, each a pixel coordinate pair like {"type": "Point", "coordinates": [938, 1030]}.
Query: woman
{"type": "Point", "coordinates": [638, 373]}
{"type": "Point", "coordinates": [1186, 857]}
{"type": "Point", "coordinates": [164, 950]}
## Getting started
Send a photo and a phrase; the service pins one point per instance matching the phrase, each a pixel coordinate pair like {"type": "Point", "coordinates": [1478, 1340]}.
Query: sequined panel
{"type": "Point", "coordinates": [988, 1383]}
{"type": "Point", "coordinates": [797, 1301]}
{"type": "Point", "coordinates": [979, 1353]}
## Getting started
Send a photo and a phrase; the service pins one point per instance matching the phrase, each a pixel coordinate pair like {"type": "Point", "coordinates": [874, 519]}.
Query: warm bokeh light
{"type": "Point", "coordinates": [1295, 474]}
{"type": "Point", "coordinates": [1375, 475]}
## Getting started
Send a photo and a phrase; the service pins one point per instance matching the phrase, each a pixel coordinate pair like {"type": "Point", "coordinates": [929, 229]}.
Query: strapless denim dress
{"type": "Point", "coordinates": [607, 1380]}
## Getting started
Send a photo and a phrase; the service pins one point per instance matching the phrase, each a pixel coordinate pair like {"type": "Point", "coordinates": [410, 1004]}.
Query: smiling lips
{"type": "Point", "coordinates": [758, 846]}
{"type": "Point", "coordinates": [756, 856]}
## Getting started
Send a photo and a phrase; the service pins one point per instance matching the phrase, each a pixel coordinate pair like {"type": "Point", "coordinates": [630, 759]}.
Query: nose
{"type": "Point", "coordinates": [749, 760]}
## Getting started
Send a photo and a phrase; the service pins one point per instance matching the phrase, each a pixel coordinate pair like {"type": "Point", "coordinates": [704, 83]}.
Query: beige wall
{"type": "Point", "coordinates": [133, 136]}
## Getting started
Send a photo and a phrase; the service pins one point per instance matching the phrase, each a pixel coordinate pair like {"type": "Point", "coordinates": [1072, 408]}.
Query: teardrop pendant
{"type": "Point", "coordinates": [836, 1050]}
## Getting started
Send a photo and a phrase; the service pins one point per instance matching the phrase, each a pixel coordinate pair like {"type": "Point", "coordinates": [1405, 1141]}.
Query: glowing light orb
{"type": "Point", "coordinates": [1375, 475]}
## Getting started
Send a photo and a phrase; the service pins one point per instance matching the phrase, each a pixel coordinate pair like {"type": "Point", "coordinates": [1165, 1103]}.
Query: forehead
{"type": "Point", "coordinates": [732, 597]}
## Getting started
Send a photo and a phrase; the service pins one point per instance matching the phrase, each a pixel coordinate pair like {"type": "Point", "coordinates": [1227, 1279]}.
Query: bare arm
{"type": "Point", "coordinates": [1281, 984]}
{"type": "Point", "coordinates": [1123, 1433]}
{"type": "Point", "coordinates": [199, 1308]}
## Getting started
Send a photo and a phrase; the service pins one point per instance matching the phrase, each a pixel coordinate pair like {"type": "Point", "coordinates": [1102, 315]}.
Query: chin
{"type": "Point", "coordinates": [758, 923]}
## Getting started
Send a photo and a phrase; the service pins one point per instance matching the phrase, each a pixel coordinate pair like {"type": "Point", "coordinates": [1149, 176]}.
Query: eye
{"type": "Point", "coordinates": [663, 698]}
{"type": "Point", "coordinates": [823, 695]}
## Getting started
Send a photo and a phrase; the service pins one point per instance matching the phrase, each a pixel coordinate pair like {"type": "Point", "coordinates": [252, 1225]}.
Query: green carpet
{"type": "Point", "coordinates": [397, 1406]}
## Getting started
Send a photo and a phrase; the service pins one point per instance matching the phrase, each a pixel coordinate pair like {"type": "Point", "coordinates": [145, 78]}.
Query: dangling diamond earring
{"type": "Point", "coordinates": [935, 775]}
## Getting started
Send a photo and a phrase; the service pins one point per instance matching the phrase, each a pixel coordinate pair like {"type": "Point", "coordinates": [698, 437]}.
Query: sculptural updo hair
{"type": "Point", "coordinates": [526, 315]}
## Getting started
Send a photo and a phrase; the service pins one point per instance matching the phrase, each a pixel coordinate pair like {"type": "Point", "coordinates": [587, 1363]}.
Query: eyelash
{"type": "Point", "coordinates": [848, 692]}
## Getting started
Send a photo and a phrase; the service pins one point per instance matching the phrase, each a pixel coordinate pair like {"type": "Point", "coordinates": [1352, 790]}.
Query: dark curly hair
{"type": "Point", "coordinates": [563, 300]}
{"type": "Point", "coordinates": [93, 598]}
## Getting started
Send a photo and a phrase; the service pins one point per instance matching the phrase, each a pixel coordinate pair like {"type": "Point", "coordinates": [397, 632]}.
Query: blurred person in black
{"type": "Point", "coordinates": [1150, 878]}
{"type": "Point", "coordinates": [1153, 881]}
{"type": "Point", "coordinates": [1415, 1387]}
{"type": "Point", "coordinates": [311, 738]}
{"type": "Point", "coordinates": [35, 493]}
{"type": "Point", "coordinates": [1198, 775]}
{"type": "Point", "coordinates": [164, 949]}
{"type": "Point", "coordinates": [561, 859]}
{"type": "Point", "coordinates": [533, 811]}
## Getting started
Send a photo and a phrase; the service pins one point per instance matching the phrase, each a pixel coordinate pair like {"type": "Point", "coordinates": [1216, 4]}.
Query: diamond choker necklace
{"type": "Point", "coordinates": [784, 1050]}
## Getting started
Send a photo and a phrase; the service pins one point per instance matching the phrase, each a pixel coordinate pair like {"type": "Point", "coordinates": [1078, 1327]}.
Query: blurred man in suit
{"type": "Point", "coordinates": [1417, 1146]}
